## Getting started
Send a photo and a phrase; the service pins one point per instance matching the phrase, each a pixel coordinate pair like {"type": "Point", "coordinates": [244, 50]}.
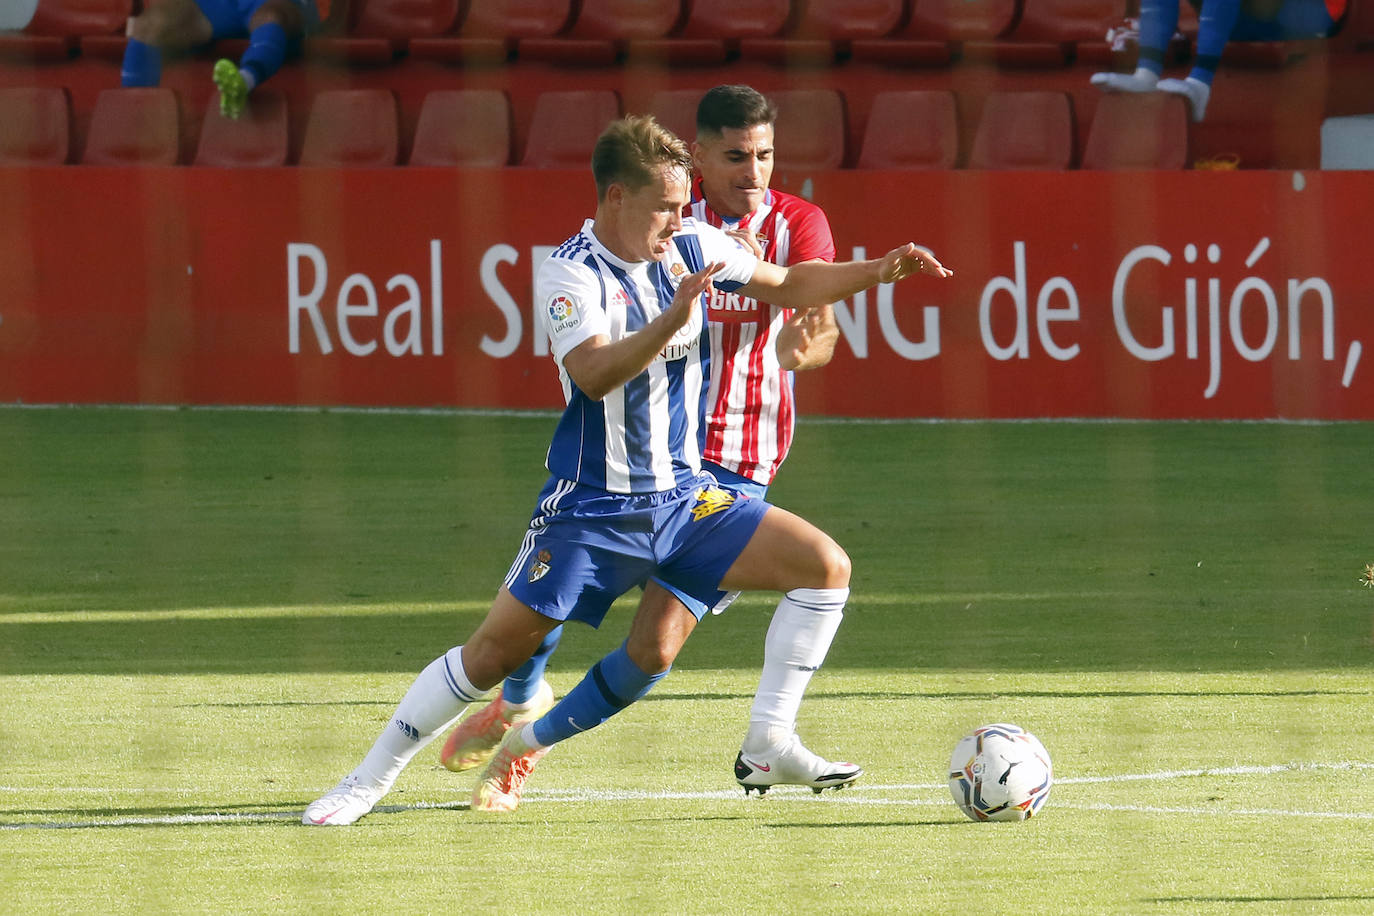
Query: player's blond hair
{"type": "Point", "coordinates": [632, 150]}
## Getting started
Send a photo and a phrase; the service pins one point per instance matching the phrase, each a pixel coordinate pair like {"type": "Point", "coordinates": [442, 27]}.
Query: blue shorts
{"type": "Point", "coordinates": [731, 481]}
{"type": "Point", "coordinates": [586, 547]}
{"type": "Point", "coordinates": [229, 18]}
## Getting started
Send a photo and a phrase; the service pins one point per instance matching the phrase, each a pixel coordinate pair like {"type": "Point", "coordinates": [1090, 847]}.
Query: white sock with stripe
{"type": "Point", "coordinates": [434, 702]}
{"type": "Point", "coordinates": [798, 639]}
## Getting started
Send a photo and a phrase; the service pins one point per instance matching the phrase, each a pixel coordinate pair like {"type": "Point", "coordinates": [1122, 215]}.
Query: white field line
{"type": "Point", "coordinates": [860, 794]}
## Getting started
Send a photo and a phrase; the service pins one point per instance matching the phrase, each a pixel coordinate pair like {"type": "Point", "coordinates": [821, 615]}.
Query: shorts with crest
{"type": "Point", "coordinates": [586, 547]}
{"type": "Point", "coordinates": [731, 481]}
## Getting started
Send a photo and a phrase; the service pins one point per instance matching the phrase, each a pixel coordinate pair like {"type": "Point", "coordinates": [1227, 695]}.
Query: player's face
{"type": "Point", "coordinates": [649, 216]}
{"type": "Point", "coordinates": [735, 168]}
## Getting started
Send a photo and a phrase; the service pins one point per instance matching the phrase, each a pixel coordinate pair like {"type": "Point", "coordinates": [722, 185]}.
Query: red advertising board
{"type": "Point", "coordinates": [1077, 294]}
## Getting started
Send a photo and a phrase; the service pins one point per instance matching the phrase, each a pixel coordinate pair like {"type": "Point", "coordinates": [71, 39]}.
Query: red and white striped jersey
{"type": "Point", "coordinates": [752, 414]}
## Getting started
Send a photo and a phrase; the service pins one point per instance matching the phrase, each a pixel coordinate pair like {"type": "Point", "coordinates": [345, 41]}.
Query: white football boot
{"type": "Point", "coordinates": [791, 764]}
{"type": "Point", "coordinates": [343, 804]}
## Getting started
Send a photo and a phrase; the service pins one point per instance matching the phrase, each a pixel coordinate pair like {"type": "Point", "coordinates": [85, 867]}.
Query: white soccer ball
{"type": "Point", "coordinates": [1000, 773]}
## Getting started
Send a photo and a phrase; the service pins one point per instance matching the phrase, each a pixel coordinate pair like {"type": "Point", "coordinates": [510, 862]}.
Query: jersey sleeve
{"type": "Point", "coordinates": [811, 237]}
{"type": "Point", "coordinates": [571, 305]}
{"type": "Point", "coordinates": [739, 261]}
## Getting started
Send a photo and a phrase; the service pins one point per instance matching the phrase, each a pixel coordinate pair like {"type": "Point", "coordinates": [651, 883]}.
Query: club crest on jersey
{"type": "Point", "coordinates": [562, 314]}
{"type": "Point", "coordinates": [678, 270]}
{"type": "Point", "coordinates": [540, 567]}
{"type": "Point", "coordinates": [711, 500]}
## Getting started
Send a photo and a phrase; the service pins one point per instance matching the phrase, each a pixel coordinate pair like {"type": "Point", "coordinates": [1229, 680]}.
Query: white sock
{"type": "Point", "coordinates": [527, 736]}
{"type": "Point", "coordinates": [798, 639]}
{"type": "Point", "coordinates": [249, 79]}
{"type": "Point", "coordinates": [1194, 90]}
{"type": "Point", "coordinates": [1142, 80]}
{"type": "Point", "coordinates": [434, 702]}
{"type": "Point", "coordinates": [533, 701]}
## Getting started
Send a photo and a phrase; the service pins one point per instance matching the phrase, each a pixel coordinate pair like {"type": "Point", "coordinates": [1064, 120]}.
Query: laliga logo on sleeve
{"type": "Point", "coordinates": [562, 314]}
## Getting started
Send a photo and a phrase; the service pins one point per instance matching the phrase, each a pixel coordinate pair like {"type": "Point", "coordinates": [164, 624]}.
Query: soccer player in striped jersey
{"type": "Point", "coordinates": [627, 503]}
{"type": "Point", "coordinates": [749, 426]}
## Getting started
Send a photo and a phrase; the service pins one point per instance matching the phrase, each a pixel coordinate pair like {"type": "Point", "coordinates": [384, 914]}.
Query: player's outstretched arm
{"type": "Point", "coordinates": [815, 283]}
{"type": "Point", "coordinates": [900, 263]}
{"type": "Point", "coordinates": [599, 365]}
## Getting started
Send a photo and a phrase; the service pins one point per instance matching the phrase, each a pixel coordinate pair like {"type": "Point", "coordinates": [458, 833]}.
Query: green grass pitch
{"type": "Point", "coordinates": [206, 616]}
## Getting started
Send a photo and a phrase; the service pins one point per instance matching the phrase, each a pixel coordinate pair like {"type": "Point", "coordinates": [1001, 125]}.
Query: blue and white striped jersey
{"type": "Point", "coordinates": [645, 436]}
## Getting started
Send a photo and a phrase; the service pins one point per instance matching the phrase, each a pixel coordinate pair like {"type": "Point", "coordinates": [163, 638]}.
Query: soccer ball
{"type": "Point", "coordinates": [1000, 773]}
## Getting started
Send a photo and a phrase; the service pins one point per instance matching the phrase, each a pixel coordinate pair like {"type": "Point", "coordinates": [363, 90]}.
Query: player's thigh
{"type": "Point", "coordinates": [174, 25]}
{"type": "Point", "coordinates": [285, 13]}
{"type": "Point", "coordinates": [504, 640]}
{"type": "Point", "coordinates": [788, 552]}
{"type": "Point", "coordinates": [660, 628]}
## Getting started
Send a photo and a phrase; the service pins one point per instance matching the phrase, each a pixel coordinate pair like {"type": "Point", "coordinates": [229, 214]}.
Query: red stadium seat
{"type": "Point", "coordinates": [352, 127]}
{"type": "Point", "coordinates": [490, 29]}
{"type": "Point", "coordinates": [1024, 130]}
{"type": "Point", "coordinates": [80, 17]}
{"type": "Point", "coordinates": [603, 29]}
{"type": "Point", "coordinates": [734, 19]}
{"type": "Point", "coordinates": [911, 129]}
{"type": "Point", "coordinates": [463, 128]}
{"type": "Point", "coordinates": [625, 19]}
{"type": "Point", "coordinates": [565, 125]}
{"type": "Point", "coordinates": [711, 30]}
{"type": "Point", "coordinates": [258, 139]}
{"type": "Point", "coordinates": [676, 109]}
{"type": "Point", "coordinates": [1130, 131]}
{"type": "Point", "coordinates": [933, 26]}
{"type": "Point", "coordinates": [516, 18]}
{"type": "Point", "coordinates": [405, 19]}
{"type": "Point", "coordinates": [1057, 31]}
{"type": "Point", "coordinates": [35, 126]}
{"type": "Point", "coordinates": [840, 20]}
{"type": "Point", "coordinates": [959, 20]}
{"type": "Point", "coordinates": [134, 127]}
{"type": "Point", "coordinates": [379, 30]}
{"type": "Point", "coordinates": [820, 29]}
{"type": "Point", "coordinates": [58, 26]}
{"type": "Point", "coordinates": [1068, 20]}
{"type": "Point", "coordinates": [810, 129]}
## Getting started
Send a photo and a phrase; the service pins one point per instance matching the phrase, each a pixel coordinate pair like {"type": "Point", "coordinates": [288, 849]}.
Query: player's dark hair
{"type": "Point", "coordinates": [630, 151]}
{"type": "Point", "coordinates": [737, 107]}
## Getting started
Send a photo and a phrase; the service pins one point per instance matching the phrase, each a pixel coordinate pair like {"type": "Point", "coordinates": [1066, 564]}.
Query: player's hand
{"type": "Point", "coordinates": [795, 336]}
{"type": "Point", "coordinates": [690, 290]}
{"type": "Point", "coordinates": [900, 263]}
{"type": "Point", "coordinates": [748, 239]}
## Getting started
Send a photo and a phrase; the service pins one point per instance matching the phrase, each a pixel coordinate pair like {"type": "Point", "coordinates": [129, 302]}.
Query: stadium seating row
{"type": "Point", "coordinates": [907, 129]}
{"type": "Point", "coordinates": [1023, 32]}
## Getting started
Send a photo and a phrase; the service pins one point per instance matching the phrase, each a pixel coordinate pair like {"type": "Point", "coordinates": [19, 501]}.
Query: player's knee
{"type": "Point", "coordinates": [835, 565]}
{"type": "Point", "coordinates": [152, 27]}
{"type": "Point", "coordinates": [280, 12]}
{"type": "Point", "coordinates": [650, 656]}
